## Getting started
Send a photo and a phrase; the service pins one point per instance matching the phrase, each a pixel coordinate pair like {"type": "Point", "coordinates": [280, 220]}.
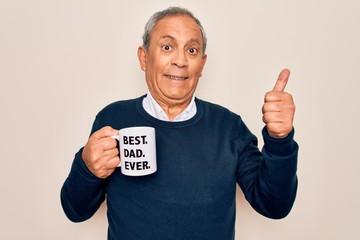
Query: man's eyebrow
{"type": "Point", "coordinates": [167, 36]}
{"type": "Point", "coordinates": [194, 40]}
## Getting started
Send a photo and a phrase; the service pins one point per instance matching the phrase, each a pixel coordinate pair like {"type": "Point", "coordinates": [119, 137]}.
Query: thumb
{"type": "Point", "coordinates": [282, 80]}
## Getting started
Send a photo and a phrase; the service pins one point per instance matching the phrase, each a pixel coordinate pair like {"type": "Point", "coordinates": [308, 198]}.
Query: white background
{"type": "Point", "coordinates": [63, 61]}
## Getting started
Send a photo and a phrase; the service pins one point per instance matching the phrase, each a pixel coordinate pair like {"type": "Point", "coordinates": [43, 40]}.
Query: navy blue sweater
{"type": "Point", "coordinates": [192, 194]}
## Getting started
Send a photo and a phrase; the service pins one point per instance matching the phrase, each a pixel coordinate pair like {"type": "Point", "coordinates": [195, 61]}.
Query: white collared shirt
{"type": "Point", "coordinates": [154, 109]}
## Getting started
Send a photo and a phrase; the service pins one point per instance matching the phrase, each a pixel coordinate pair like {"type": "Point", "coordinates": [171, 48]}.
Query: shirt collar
{"type": "Point", "coordinates": [154, 109]}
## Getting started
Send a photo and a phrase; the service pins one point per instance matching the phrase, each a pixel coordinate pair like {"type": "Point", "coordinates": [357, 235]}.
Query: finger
{"type": "Point", "coordinates": [271, 107]}
{"type": "Point", "coordinates": [104, 132]}
{"type": "Point", "coordinates": [273, 96]}
{"type": "Point", "coordinates": [113, 163]}
{"type": "Point", "coordinates": [107, 143]}
{"type": "Point", "coordinates": [282, 80]}
{"type": "Point", "coordinates": [111, 153]}
{"type": "Point", "coordinates": [272, 117]}
{"type": "Point", "coordinates": [102, 161]}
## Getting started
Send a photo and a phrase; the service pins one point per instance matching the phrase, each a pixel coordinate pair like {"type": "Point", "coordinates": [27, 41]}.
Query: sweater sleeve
{"type": "Point", "coordinates": [82, 192]}
{"type": "Point", "coordinates": [268, 178]}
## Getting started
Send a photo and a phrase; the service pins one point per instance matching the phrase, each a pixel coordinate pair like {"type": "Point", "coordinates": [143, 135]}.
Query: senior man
{"type": "Point", "coordinates": [203, 149]}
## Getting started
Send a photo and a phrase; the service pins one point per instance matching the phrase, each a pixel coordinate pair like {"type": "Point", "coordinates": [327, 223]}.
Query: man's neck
{"type": "Point", "coordinates": [173, 112]}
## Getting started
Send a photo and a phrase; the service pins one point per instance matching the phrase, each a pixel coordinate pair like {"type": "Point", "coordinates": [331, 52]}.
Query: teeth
{"type": "Point", "coordinates": [176, 78]}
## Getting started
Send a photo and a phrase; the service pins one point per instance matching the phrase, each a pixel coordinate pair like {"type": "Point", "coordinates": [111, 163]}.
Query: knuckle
{"type": "Point", "coordinates": [293, 107]}
{"type": "Point", "coordinates": [265, 118]}
{"type": "Point", "coordinates": [97, 167]}
{"type": "Point", "coordinates": [268, 95]}
{"type": "Point", "coordinates": [106, 128]}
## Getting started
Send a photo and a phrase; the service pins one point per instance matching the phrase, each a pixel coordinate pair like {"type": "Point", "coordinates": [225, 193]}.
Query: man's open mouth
{"type": "Point", "coordinates": [176, 77]}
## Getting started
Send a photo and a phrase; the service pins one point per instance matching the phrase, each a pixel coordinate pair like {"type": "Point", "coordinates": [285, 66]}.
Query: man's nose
{"type": "Point", "coordinates": [180, 59]}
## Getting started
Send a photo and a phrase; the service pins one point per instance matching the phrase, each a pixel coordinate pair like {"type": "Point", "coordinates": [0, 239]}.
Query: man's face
{"type": "Point", "coordinates": [174, 61]}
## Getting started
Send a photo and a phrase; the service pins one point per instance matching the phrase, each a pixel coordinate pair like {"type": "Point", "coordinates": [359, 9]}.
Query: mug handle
{"type": "Point", "coordinates": [117, 137]}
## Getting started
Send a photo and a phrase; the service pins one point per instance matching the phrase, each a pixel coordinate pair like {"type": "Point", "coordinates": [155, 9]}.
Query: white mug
{"type": "Point", "coordinates": [137, 151]}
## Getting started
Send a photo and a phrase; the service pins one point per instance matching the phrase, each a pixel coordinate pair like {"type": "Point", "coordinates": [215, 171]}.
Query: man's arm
{"type": "Point", "coordinates": [269, 180]}
{"type": "Point", "coordinates": [83, 191]}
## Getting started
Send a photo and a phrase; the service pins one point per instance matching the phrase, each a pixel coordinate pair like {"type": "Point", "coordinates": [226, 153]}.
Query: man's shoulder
{"type": "Point", "coordinates": [216, 109]}
{"type": "Point", "coordinates": [120, 105]}
{"type": "Point", "coordinates": [223, 119]}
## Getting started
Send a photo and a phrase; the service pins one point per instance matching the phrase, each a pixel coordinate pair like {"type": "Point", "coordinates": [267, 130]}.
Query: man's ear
{"type": "Point", "coordinates": [204, 58]}
{"type": "Point", "coordinates": [203, 61]}
{"type": "Point", "coordinates": [142, 57]}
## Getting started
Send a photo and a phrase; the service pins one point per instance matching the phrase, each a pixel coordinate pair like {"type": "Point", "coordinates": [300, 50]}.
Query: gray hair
{"type": "Point", "coordinates": [171, 11]}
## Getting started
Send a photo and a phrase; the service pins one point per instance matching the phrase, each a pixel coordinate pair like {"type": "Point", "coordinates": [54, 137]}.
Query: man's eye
{"type": "Point", "coordinates": [193, 51]}
{"type": "Point", "coordinates": [166, 47]}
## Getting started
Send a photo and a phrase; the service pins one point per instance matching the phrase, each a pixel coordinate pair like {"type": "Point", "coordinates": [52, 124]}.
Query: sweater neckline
{"type": "Point", "coordinates": [169, 124]}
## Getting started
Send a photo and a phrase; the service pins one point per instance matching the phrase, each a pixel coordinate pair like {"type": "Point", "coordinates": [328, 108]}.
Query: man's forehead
{"type": "Point", "coordinates": [191, 40]}
{"type": "Point", "coordinates": [171, 26]}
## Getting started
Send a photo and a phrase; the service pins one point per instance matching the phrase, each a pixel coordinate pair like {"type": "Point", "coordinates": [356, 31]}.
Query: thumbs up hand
{"type": "Point", "coordinates": [279, 109]}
